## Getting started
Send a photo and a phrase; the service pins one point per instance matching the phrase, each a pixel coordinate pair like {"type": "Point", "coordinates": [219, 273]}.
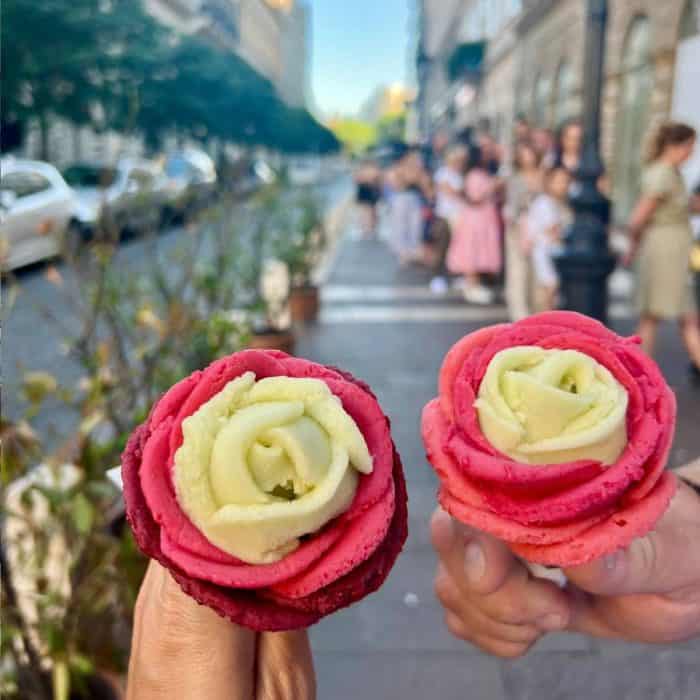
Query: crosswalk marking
{"type": "Point", "coordinates": [431, 313]}
{"type": "Point", "coordinates": [415, 292]}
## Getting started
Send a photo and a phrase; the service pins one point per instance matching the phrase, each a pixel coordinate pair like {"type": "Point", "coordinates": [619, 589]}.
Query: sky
{"type": "Point", "coordinates": [356, 46]}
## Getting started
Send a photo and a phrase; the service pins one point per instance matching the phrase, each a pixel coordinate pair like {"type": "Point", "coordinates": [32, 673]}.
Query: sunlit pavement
{"type": "Point", "coordinates": [382, 323]}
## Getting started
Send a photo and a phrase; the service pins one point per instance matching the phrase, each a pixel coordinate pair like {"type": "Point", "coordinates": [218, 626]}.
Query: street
{"type": "Point", "coordinates": [42, 315]}
{"type": "Point", "coordinates": [381, 322]}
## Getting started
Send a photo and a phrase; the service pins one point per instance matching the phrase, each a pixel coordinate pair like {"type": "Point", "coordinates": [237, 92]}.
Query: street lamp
{"type": "Point", "coordinates": [585, 262]}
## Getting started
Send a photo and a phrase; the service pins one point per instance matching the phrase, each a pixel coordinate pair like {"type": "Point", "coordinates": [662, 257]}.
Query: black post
{"type": "Point", "coordinates": [586, 261]}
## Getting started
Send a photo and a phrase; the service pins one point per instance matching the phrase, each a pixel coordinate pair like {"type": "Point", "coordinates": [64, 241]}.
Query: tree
{"type": "Point", "coordinates": [109, 63]}
{"type": "Point", "coordinates": [355, 135]}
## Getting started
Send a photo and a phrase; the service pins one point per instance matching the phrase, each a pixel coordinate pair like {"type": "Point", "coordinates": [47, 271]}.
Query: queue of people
{"type": "Point", "coordinates": [490, 225]}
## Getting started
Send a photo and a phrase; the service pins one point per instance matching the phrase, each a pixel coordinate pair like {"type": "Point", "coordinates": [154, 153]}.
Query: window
{"type": "Point", "coordinates": [540, 102]}
{"type": "Point", "coordinates": [690, 21]}
{"type": "Point", "coordinates": [563, 92]}
{"type": "Point", "coordinates": [633, 115]}
{"type": "Point", "coordinates": [24, 183]}
{"type": "Point", "coordinates": [89, 176]}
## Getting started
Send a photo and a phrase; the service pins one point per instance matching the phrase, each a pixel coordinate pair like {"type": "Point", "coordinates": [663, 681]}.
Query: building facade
{"type": "Point", "coordinates": [295, 79]}
{"type": "Point", "coordinates": [533, 64]}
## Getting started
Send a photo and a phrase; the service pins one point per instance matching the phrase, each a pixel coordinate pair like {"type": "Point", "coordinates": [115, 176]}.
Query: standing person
{"type": "Point", "coordinates": [521, 129]}
{"type": "Point", "coordinates": [449, 200]}
{"type": "Point", "coordinates": [368, 180]}
{"type": "Point", "coordinates": [491, 152]}
{"type": "Point", "coordinates": [548, 217]}
{"type": "Point", "coordinates": [660, 233]}
{"type": "Point", "coordinates": [407, 213]}
{"type": "Point", "coordinates": [544, 143]}
{"type": "Point", "coordinates": [475, 247]}
{"type": "Point", "coordinates": [437, 148]}
{"type": "Point", "coordinates": [521, 189]}
{"type": "Point", "coordinates": [567, 151]}
{"type": "Point", "coordinates": [449, 184]}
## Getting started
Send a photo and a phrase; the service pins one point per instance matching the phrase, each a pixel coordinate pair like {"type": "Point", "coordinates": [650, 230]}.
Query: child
{"type": "Point", "coordinates": [475, 246]}
{"type": "Point", "coordinates": [549, 215]}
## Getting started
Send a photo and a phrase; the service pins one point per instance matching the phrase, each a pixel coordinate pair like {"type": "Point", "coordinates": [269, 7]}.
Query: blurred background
{"type": "Point", "coordinates": [360, 183]}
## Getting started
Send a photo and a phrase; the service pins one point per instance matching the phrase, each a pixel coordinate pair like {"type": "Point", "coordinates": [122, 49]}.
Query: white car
{"type": "Point", "coordinates": [304, 170]}
{"type": "Point", "coordinates": [36, 206]}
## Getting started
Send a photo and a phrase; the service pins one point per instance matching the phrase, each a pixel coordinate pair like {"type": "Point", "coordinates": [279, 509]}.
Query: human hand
{"type": "Point", "coordinates": [489, 597]}
{"type": "Point", "coordinates": [629, 255]}
{"type": "Point", "coordinates": [184, 650]}
{"type": "Point", "coordinates": [649, 592]}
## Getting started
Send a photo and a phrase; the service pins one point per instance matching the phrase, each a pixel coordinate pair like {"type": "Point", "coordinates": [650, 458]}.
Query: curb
{"type": "Point", "coordinates": [334, 224]}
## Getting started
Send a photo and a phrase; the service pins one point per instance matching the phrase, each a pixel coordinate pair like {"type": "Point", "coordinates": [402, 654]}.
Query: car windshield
{"type": "Point", "coordinates": [89, 176]}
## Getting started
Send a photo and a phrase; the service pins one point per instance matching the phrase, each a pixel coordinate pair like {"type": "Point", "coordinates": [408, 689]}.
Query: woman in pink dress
{"type": "Point", "coordinates": [475, 247]}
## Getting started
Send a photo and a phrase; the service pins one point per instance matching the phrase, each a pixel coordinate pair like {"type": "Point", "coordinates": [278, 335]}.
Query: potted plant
{"type": "Point", "coordinates": [264, 275]}
{"type": "Point", "coordinates": [66, 601]}
{"type": "Point", "coordinates": [301, 248]}
{"type": "Point", "coordinates": [69, 575]}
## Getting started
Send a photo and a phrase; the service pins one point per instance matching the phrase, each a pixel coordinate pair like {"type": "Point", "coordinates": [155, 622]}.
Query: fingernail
{"type": "Point", "coordinates": [474, 562]}
{"type": "Point", "coordinates": [551, 622]}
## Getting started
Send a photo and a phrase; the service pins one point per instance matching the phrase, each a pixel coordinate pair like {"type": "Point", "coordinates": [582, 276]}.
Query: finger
{"type": "Point", "coordinates": [476, 562]}
{"type": "Point", "coordinates": [185, 650]}
{"type": "Point", "coordinates": [664, 561]}
{"type": "Point", "coordinates": [285, 667]}
{"type": "Point", "coordinates": [482, 565]}
{"type": "Point", "coordinates": [643, 618]}
{"type": "Point", "coordinates": [473, 621]}
{"type": "Point", "coordinates": [503, 649]}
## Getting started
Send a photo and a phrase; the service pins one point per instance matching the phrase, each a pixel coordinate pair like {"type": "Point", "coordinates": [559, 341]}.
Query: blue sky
{"type": "Point", "coordinates": [356, 45]}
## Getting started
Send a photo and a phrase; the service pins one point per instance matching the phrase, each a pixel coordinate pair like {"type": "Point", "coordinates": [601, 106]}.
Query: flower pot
{"type": "Point", "coordinates": [304, 303]}
{"type": "Point", "coordinates": [272, 339]}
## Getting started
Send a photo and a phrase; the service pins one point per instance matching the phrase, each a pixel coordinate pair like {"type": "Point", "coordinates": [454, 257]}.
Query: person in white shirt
{"type": "Point", "coordinates": [548, 217]}
{"type": "Point", "coordinates": [449, 184]}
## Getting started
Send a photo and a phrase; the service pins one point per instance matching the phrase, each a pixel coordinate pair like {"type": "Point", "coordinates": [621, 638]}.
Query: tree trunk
{"type": "Point", "coordinates": [44, 134]}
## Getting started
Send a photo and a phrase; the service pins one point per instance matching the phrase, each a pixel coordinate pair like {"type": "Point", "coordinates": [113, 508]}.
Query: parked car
{"type": "Point", "coordinates": [190, 181]}
{"type": "Point", "coordinates": [304, 170]}
{"type": "Point", "coordinates": [124, 198]}
{"type": "Point", "coordinates": [36, 207]}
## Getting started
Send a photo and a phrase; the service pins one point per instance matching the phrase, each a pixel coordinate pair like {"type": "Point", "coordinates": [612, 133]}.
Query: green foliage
{"type": "Point", "coordinates": [108, 63]}
{"type": "Point", "coordinates": [355, 135]}
{"type": "Point", "coordinates": [392, 127]}
{"type": "Point", "coordinates": [133, 334]}
{"type": "Point", "coordinates": [301, 238]}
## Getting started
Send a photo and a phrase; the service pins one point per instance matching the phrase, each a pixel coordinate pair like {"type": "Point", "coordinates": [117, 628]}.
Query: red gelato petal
{"type": "Point", "coordinates": [372, 572]}
{"type": "Point", "coordinates": [512, 531]}
{"type": "Point", "coordinates": [359, 541]}
{"type": "Point", "coordinates": [242, 575]}
{"type": "Point", "coordinates": [617, 531]}
{"type": "Point", "coordinates": [455, 358]}
{"type": "Point", "coordinates": [545, 508]}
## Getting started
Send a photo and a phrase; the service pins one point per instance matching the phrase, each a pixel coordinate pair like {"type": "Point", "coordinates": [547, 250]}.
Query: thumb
{"type": "Point", "coordinates": [664, 561]}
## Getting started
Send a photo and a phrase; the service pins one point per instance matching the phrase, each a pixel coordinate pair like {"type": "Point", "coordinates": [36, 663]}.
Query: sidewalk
{"type": "Point", "coordinates": [381, 323]}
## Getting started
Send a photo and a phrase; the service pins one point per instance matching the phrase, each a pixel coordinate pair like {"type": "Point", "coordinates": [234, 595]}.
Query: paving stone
{"type": "Point", "coordinates": [384, 648]}
{"type": "Point", "coordinates": [407, 676]}
{"type": "Point", "coordinates": [666, 674]}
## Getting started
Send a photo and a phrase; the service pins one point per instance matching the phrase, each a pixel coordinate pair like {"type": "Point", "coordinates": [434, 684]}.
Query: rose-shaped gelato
{"type": "Point", "coordinates": [552, 434]}
{"type": "Point", "coordinates": [270, 487]}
